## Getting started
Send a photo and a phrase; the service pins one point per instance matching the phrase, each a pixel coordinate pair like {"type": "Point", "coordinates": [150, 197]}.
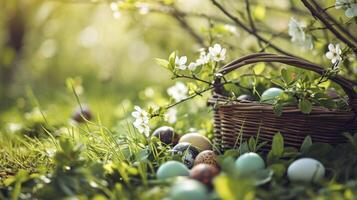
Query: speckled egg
{"type": "Point", "coordinates": [206, 157]}
{"type": "Point", "coordinates": [197, 140]}
{"type": "Point", "coordinates": [204, 173]}
{"type": "Point", "coordinates": [249, 163]}
{"type": "Point", "coordinates": [172, 169]}
{"type": "Point", "coordinates": [270, 94]}
{"type": "Point", "coordinates": [188, 190]}
{"type": "Point", "coordinates": [306, 170]}
{"type": "Point", "coordinates": [166, 135]}
{"type": "Point", "coordinates": [188, 153]}
{"type": "Point", "coordinates": [82, 114]}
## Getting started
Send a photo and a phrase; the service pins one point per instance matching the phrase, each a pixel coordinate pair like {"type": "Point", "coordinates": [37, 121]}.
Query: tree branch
{"type": "Point", "coordinates": [245, 28]}
{"type": "Point", "coordinates": [325, 21]}
{"type": "Point", "coordinates": [184, 24]}
{"type": "Point", "coordinates": [251, 22]}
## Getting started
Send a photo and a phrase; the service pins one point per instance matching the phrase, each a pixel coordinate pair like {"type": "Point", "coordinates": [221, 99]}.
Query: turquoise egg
{"type": "Point", "coordinates": [270, 94]}
{"type": "Point", "coordinates": [306, 170]}
{"type": "Point", "coordinates": [172, 169]}
{"type": "Point", "coordinates": [249, 163]}
{"type": "Point", "coordinates": [188, 190]}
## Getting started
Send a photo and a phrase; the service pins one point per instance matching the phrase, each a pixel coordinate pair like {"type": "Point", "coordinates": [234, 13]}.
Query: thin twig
{"type": "Point", "coordinates": [197, 93]}
{"type": "Point", "coordinates": [184, 24]}
{"type": "Point", "coordinates": [244, 27]}
{"type": "Point", "coordinates": [193, 77]}
{"type": "Point", "coordinates": [251, 22]}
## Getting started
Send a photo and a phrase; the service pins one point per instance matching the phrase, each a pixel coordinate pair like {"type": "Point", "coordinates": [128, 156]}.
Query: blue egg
{"type": "Point", "coordinates": [172, 169]}
{"type": "Point", "coordinates": [249, 163]}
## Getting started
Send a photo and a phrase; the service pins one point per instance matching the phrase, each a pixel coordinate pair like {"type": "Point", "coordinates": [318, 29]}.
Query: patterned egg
{"type": "Point", "coordinates": [171, 169]}
{"type": "Point", "coordinates": [197, 140]}
{"type": "Point", "coordinates": [306, 170]}
{"type": "Point", "coordinates": [249, 163]}
{"type": "Point", "coordinates": [187, 151]}
{"type": "Point", "coordinates": [270, 94]}
{"type": "Point", "coordinates": [204, 173]}
{"type": "Point", "coordinates": [206, 157]}
{"type": "Point", "coordinates": [82, 114]}
{"type": "Point", "coordinates": [166, 135]}
{"type": "Point", "coordinates": [189, 190]}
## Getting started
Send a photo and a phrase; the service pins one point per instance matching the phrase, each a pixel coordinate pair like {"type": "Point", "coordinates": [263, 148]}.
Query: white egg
{"type": "Point", "coordinates": [306, 170]}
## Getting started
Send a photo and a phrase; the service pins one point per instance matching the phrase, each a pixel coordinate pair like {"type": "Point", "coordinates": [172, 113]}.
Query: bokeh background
{"type": "Point", "coordinates": [111, 55]}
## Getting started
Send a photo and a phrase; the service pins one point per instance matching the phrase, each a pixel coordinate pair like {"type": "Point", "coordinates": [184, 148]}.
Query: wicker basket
{"type": "Point", "coordinates": [247, 117]}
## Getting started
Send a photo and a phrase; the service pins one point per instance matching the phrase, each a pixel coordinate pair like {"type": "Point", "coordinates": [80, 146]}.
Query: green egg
{"type": "Point", "coordinates": [249, 163]}
{"type": "Point", "coordinates": [188, 190]}
{"type": "Point", "coordinates": [270, 94]}
{"type": "Point", "coordinates": [172, 169]}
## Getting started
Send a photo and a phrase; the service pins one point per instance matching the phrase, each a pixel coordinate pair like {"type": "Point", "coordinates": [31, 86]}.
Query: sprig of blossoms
{"type": "Point", "coordinates": [334, 53]}
{"type": "Point", "coordinates": [141, 122]}
{"type": "Point", "coordinates": [178, 92]}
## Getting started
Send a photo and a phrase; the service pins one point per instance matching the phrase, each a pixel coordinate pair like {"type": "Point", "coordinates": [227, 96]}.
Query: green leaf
{"type": "Point", "coordinates": [305, 106]}
{"type": "Point", "coordinates": [306, 144]}
{"type": "Point", "coordinates": [278, 145]}
{"type": "Point", "coordinates": [259, 68]}
{"type": "Point", "coordinates": [162, 62]}
{"type": "Point", "coordinates": [285, 76]}
{"type": "Point", "coordinates": [172, 58]}
{"type": "Point", "coordinates": [278, 109]}
{"type": "Point", "coordinates": [279, 169]}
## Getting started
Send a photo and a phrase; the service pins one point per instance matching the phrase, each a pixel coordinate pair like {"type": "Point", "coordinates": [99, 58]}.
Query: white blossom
{"type": "Point", "coordinates": [334, 53]}
{"type": "Point", "coordinates": [230, 28]}
{"type": "Point", "coordinates": [192, 66]}
{"type": "Point", "coordinates": [351, 11]}
{"type": "Point", "coordinates": [298, 35]}
{"type": "Point", "coordinates": [178, 91]}
{"type": "Point", "coordinates": [141, 122]}
{"type": "Point", "coordinates": [171, 115]}
{"type": "Point", "coordinates": [143, 8]}
{"type": "Point", "coordinates": [180, 62]}
{"type": "Point", "coordinates": [217, 53]}
{"type": "Point", "coordinates": [14, 127]}
{"type": "Point", "coordinates": [349, 6]}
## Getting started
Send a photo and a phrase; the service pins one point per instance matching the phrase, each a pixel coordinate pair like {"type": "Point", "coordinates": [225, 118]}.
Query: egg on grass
{"type": "Point", "coordinates": [197, 140]}
{"type": "Point", "coordinates": [187, 152]}
{"type": "Point", "coordinates": [166, 135]}
{"type": "Point", "coordinates": [270, 95]}
{"type": "Point", "coordinates": [172, 169]}
{"type": "Point", "coordinates": [204, 173]}
{"type": "Point", "coordinates": [206, 157]}
{"type": "Point", "coordinates": [249, 163]}
{"type": "Point", "coordinates": [306, 170]}
{"type": "Point", "coordinates": [82, 114]}
{"type": "Point", "coordinates": [188, 190]}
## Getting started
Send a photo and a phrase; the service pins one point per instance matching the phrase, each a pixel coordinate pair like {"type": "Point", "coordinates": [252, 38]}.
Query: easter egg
{"type": "Point", "coordinates": [270, 94]}
{"type": "Point", "coordinates": [204, 173]}
{"type": "Point", "coordinates": [187, 152]}
{"type": "Point", "coordinates": [197, 140]}
{"type": "Point", "coordinates": [166, 135]}
{"type": "Point", "coordinates": [188, 190]}
{"type": "Point", "coordinates": [172, 169]}
{"type": "Point", "coordinates": [82, 114]}
{"type": "Point", "coordinates": [206, 157]}
{"type": "Point", "coordinates": [249, 163]}
{"type": "Point", "coordinates": [245, 97]}
{"type": "Point", "coordinates": [306, 170]}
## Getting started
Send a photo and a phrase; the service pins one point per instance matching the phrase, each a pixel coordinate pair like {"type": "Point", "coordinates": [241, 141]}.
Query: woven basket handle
{"type": "Point", "coordinates": [346, 84]}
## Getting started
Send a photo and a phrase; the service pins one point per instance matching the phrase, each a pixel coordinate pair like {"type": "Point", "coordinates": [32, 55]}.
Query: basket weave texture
{"type": "Point", "coordinates": [235, 119]}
